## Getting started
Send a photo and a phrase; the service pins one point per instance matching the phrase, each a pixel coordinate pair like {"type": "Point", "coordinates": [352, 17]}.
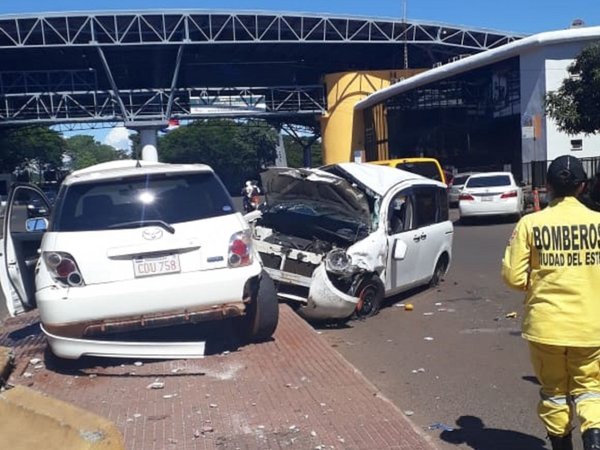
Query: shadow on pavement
{"type": "Point", "coordinates": [473, 432]}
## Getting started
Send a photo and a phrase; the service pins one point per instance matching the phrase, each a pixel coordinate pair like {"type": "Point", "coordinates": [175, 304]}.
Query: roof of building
{"type": "Point", "coordinates": [482, 59]}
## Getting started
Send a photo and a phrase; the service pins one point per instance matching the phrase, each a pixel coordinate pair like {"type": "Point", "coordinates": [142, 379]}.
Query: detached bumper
{"type": "Point", "coordinates": [71, 348]}
{"type": "Point", "coordinates": [324, 300]}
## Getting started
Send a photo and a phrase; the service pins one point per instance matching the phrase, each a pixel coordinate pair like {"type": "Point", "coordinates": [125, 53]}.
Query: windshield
{"type": "Point", "coordinates": [140, 201]}
{"type": "Point", "coordinates": [426, 168]}
{"type": "Point", "coordinates": [491, 181]}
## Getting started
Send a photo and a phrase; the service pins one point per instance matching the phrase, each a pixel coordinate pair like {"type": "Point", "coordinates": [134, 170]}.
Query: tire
{"type": "Point", "coordinates": [371, 293]}
{"type": "Point", "coordinates": [262, 313]}
{"type": "Point", "coordinates": [439, 271]}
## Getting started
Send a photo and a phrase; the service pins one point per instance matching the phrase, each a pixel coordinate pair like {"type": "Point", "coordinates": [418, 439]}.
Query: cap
{"type": "Point", "coordinates": [566, 170]}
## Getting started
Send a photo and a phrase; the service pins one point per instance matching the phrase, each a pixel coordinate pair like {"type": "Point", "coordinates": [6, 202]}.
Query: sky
{"type": "Point", "coordinates": [522, 16]}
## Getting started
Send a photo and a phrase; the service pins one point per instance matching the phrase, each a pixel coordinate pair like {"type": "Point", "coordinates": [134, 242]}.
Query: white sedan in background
{"type": "Point", "coordinates": [491, 194]}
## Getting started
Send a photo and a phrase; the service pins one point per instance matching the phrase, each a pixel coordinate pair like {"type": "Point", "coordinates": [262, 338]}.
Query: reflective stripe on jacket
{"type": "Point", "coordinates": [554, 255]}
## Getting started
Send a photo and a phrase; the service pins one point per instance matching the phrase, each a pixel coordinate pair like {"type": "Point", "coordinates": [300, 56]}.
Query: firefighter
{"type": "Point", "coordinates": [554, 256]}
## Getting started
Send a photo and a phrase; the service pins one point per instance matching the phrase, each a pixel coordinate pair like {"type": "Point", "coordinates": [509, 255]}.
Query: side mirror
{"type": "Point", "coordinates": [36, 224]}
{"type": "Point", "coordinates": [522, 184]}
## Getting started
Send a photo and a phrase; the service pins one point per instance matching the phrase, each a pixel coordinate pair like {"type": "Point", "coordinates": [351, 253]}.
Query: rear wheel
{"type": "Point", "coordinates": [370, 293]}
{"type": "Point", "coordinates": [262, 313]}
{"type": "Point", "coordinates": [439, 271]}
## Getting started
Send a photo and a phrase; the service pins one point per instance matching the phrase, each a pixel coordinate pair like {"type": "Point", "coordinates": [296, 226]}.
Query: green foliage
{"type": "Point", "coordinates": [25, 146]}
{"type": "Point", "coordinates": [295, 153]}
{"type": "Point", "coordinates": [575, 106]}
{"type": "Point", "coordinates": [236, 150]}
{"type": "Point", "coordinates": [84, 151]}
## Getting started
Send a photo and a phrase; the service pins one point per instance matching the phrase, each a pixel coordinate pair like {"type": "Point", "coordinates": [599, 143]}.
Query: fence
{"type": "Point", "coordinates": [534, 172]}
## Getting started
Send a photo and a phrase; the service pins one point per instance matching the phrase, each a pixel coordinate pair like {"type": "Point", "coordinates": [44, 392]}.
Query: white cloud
{"type": "Point", "coordinates": [118, 137]}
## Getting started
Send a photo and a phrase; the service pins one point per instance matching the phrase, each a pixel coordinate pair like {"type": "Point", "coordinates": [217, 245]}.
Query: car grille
{"type": "Point", "coordinates": [291, 265]}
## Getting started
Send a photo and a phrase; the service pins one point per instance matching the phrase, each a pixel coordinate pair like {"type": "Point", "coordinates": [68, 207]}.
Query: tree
{"type": "Point", "coordinates": [32, 146]}
{"type": "Point", "coordinates": [575, 106]}
{"type": "Point", "coordinates": [84, 151]}
{"type": "Point", "coordinates": [295, 152]}
{"type": "Point", "coordinates": [236, 150]}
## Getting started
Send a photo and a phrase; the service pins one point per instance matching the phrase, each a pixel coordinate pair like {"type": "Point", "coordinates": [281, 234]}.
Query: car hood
{"type": "Point", "coordinates": [286, 185]}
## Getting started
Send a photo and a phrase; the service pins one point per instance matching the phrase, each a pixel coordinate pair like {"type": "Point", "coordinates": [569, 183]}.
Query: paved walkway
{"type": "Point", "coordinates": [293, 392]}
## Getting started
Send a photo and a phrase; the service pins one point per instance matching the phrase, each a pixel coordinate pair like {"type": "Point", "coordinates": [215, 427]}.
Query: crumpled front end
{"type": "Point", "coordinates": [321, 278]}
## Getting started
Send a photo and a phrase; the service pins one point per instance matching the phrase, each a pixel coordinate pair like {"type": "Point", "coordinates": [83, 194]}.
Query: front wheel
{"type": "Point", "coordinates": [262, 313]}
{"type": "Point", "coordinates": [439, 271]}
{"type": "Point", "coordinates": [370, 293]}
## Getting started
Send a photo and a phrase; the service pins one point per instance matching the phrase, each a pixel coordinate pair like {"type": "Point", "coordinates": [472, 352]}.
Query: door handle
{"type": "Point", "coordinates": [420, 238]}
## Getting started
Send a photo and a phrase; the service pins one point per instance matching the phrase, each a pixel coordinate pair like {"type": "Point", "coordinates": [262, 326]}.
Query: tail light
{"type": "Point", "coordinates": [466, 197]}
{"type": "Point", "coordinates": [240, 249]}
{"type": "Point", "coordinates": [509, 194]}
{"type": "Point", "coordinates": [63, 268]}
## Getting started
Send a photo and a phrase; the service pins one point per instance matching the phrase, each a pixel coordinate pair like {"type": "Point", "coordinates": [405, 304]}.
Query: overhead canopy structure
{"type": "Point", "coordinates": [147, 67]}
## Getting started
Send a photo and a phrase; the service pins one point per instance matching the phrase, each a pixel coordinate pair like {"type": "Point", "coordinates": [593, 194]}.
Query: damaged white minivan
{"type": "Point", "coordinates": [339, 239]}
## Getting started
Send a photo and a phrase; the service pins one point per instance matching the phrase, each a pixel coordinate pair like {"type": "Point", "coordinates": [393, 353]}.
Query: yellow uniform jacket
{"type": "Point", "coordinates": [554, 255]}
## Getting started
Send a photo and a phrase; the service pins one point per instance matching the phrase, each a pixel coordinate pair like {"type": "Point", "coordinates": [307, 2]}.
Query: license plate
{"type": "Point", "coordinates": [159, 265]}
{"type": "Point", "coordinates": [487, 199]}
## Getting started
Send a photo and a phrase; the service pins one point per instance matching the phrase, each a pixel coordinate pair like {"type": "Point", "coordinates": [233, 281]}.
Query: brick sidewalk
{"type": "Point", "coordinates": [292, 392]}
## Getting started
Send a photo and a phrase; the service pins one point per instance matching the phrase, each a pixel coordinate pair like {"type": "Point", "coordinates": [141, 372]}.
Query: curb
{"type": "Point", "coordinates": [6, 364]}
{"type": "Point", "coordinates": [31, 419]}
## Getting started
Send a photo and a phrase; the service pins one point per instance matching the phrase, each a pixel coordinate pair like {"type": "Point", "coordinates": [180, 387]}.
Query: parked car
{"type": "Point", "coordinates": [491, 194]}
{"type": "Point", "coordinates": [458, 182]}
{"type": "Point", "coordinates": [427, 167]}
{"type": "Point", "coordinates": [130, 246]}
{"type": "Point", "coordinates": [339, 239]}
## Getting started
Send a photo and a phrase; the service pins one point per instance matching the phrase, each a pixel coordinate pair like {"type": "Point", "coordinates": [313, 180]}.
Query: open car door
{"type": "Point", "coordinates": [24, 224]}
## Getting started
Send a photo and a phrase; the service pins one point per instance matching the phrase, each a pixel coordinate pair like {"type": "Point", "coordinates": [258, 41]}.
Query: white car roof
{"type": "Point", "coordinates": [130, 167]}
{"type": "Point", "coordinates": [381, 179]}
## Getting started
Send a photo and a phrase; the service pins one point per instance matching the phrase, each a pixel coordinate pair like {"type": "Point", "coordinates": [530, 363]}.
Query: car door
{"type": "Point", "coordinates": [403, 242]}
{"type": "Point", "coordinates": [24, 224]}
{"type": "Point", "coordinates": [431, 226]}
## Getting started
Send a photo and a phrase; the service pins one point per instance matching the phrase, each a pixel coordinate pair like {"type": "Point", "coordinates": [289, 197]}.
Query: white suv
{"type": "Point", "coordinates": [133, 245]}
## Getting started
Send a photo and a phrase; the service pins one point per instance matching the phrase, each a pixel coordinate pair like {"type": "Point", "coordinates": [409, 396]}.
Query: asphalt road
{"type": "Point", "coordinates": [474, 375]}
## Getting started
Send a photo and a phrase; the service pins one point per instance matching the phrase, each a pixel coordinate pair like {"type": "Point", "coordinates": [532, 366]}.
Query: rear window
{"type": "Point", "coordinates": [491, 181]}
{"type": "Point", "coordinates": [460, 180]}
{"type": "Point", "coordinates": [131, 201]}
{"type": "Point", "coordinates": [426, 169]}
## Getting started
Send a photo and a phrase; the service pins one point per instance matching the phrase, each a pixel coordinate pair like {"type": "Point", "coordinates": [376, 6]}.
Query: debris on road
{"type": "Point", "coordinates": [35, 361]}
{"type": "Point", "coordinates": [138, 364]}
{"type": "Point", "coordinates": [428, 338]}
{"type": "Point", "coordinates": [409, 307]}
{"type": "Point", "coordinates": [156, 385]}
{"type": "Point", "coordinates": [511, 315]}
{"type": "Point", "coordinates": [440, 426]}
{"type": "Point", "coordinates": [409, 413]}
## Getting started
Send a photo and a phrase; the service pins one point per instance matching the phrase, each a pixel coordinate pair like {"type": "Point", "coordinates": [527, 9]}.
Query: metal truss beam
{"type": "Point", "coordinates": [211, 27]}
{"type": "Point", "coordinates": [159, 104]}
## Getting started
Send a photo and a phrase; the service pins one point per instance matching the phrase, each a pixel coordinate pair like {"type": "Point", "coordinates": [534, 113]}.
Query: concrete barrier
{"type": "Point", "coordinates": [30, 419]}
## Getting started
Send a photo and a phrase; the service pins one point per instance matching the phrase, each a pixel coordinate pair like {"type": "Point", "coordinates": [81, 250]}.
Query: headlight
{"type": "Point", "coordinates": [338, 261]}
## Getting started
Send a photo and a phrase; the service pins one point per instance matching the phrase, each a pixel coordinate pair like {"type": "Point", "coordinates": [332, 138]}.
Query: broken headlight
{"type": "Point", "coordinates": [338, 261]}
